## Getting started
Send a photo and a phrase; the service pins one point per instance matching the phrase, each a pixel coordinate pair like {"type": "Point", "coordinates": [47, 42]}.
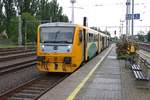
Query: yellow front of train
{"type": "Point", "coordinates": [59, 48]}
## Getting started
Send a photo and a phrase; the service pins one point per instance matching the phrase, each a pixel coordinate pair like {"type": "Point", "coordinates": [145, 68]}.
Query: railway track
{"type": "Point", "coordinates": [33, 89]}
{"type": "Point", "coordinates": [12, 60]}
{"type": "Point", "coordinates": [4, 53]}
{"type": "Point", "coordinates": [16, 58]}
{"type": "Point", "coordinates": [10, 49]}
{"type": "Point", "coordinates": [14, 65]}
{"type": "Point", "coordinates": [15, 49]}
{"type": "Point", "coordinates": [144, 46]}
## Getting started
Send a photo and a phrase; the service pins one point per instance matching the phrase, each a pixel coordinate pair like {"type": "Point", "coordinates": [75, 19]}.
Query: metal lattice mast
{"type": "Point", "coordinates": [128, 6]}
{"type": "Point", "coordinates": [132, 28]}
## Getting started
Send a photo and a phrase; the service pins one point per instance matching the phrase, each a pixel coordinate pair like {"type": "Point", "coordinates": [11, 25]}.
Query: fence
{"type": "Point", "coordinates": [145, 65]}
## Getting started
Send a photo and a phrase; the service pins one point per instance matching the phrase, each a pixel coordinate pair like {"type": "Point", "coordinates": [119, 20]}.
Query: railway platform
{"type": "Point", "coordinates": [102, 78]}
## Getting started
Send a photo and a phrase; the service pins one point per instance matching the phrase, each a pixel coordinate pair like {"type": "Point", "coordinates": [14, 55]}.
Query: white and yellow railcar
{"type": "Point", "coordinates": [63, 47]}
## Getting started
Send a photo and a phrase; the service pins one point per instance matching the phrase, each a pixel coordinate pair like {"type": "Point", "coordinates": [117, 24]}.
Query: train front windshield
{"type": "Point", "coordinates": [56, 34]}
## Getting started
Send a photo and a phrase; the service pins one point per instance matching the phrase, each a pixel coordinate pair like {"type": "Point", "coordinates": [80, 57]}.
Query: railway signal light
{"type": "Point", "coordinates": [115, 32]}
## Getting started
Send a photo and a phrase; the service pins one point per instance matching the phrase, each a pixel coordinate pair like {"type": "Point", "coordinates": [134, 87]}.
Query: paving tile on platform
{"type": "Point", "coordinates": [106, 81]}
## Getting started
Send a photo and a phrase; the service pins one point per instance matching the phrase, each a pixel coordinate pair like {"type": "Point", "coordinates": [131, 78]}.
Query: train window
{"type": "Point", "coordinates": [56, 34]}
{"type": "Point", "coordinates": [91, 37]}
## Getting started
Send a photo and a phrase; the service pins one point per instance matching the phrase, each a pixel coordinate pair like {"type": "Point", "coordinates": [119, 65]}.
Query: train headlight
{"type": "Point", "coordinates": [42, 46]}
{"type": "Point", "coordinates": [40, 58]}
{"type": "Point", "coordinates": [69, 47]}
{"type": "Point", "coordinates": [67, 60]}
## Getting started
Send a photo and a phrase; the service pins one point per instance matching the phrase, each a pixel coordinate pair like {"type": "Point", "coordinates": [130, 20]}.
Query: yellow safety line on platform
{"type": "Point", "coordinates": [78, 88]}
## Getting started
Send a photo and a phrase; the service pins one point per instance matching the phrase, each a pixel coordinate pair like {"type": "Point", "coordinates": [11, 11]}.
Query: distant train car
{"type": "Point", "coordinates": [63, 47]}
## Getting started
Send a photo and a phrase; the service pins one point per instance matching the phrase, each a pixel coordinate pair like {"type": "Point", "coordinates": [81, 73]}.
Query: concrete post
{"type": "Point", "coordinates": [20, 31]}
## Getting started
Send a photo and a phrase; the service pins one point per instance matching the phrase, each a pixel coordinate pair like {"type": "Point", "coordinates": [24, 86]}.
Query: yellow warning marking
{"type": "Point", "coordinates": [78, 88]}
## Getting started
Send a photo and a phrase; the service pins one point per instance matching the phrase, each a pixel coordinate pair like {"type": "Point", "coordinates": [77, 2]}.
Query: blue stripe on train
{"type": "Point", "coordinates": [92, 50]}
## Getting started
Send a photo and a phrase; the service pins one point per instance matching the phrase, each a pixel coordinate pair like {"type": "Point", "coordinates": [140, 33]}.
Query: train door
{"type": "Point", "coordinates": [98, 40]}
{"type": "Point", "coordinates": [81, 40]}
{"type": "Point", "coordinates": [106, 39]}
{"type": "Point", "coordinates": [85, 44]}
{"type": "Point", "coordinates": [103, 43]}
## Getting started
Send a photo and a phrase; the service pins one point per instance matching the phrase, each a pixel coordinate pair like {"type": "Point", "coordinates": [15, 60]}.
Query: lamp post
{"type": "Point", "coordinates": [132, 29]}
{"type": "Point", "coordinates": [19, 29]}
{"type": "Point", "coordinates": [128, 4]}
{"type": "Point", "coordinates": [121, 30]}
{"type": "Point", "coordinates": [141, 24]}
{"type": "Point", "coordinates": [73, 1]}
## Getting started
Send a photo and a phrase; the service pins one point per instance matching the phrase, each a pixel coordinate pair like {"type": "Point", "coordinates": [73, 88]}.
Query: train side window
{"type": "Point", "coordinates": [80, 36]}
{"type": "Point", "coordinates": [95, 38]}
{"type": "Point", "coordinates": [90, 37]}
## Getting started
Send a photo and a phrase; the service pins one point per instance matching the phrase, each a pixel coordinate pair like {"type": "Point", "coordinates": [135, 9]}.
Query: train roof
{"type": "Point", "coordinates": [102, 34]}
{"type": "Point", "coordinates": [57, 24]}
{"type": "Point", "coordinates": [70, 25]}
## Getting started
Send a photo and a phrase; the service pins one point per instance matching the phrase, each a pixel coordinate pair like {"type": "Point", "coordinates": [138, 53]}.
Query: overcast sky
{"type": "Point", "coordinates": [108, 14]}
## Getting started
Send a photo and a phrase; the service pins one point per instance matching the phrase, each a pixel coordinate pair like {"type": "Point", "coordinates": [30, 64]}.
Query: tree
{"type": "Point", "coordinates": [9, 13]}
{"type": "Point", "coordinates": [43, 10]}
{"type": "Point", "coordinates": [30, 11]}
{"type": "Point", "coordinates": [56, 11]}
{"type": "Point", "coordinates": [148, 36]}
{"type": "Point", "coordinates": [30, 27]}
{"type": "Point", "coordinates": [107, 32]}
{"type": "Point", "coordinates": [13, 26]}
{"type": "Point", "coordinates": [51, 11]}
{"type": "Point", "coordinates": [34, 7]}
{"type": "Point", "coordinates": [141, 38]}
{"type": "Point", "coordinates": [30, 6]}
{"type": "Point", "coordinates": [64, 18]}
{"type": "Point", "coordinates": [2, 18]}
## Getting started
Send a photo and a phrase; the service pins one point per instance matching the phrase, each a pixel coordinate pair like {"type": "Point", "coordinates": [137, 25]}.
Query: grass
{"type": "Point", "coordinates": [13, 46]}
{"type": "Point", "coordinates": [123, 56]}
{"type": "Point", "coordinates": [7, 46]}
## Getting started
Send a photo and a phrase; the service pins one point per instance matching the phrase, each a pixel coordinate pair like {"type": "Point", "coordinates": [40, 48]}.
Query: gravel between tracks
{"type": "Point", "coordinates": [11, 80]}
